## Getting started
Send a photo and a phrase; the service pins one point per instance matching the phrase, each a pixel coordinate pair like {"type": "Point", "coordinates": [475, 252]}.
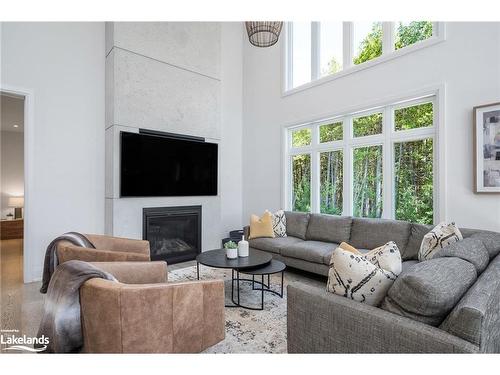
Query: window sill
{"type": "Point", "coordinates": [366, 65]}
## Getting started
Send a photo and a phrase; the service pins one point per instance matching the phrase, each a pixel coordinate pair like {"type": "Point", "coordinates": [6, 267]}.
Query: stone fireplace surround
{"type": "Point", "coordinates": [149, 87]}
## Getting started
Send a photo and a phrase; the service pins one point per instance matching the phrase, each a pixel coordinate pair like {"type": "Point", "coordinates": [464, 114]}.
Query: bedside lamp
{"type": "Point", "coordinates": [17, 203]}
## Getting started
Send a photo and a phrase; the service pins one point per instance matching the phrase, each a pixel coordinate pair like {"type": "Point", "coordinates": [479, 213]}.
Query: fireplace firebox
{"type": "Point", "coordinates": [174, 233]}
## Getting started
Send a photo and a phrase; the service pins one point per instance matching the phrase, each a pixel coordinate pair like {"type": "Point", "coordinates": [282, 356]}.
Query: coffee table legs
{"type": "Point", "coordinates": [263, 287]}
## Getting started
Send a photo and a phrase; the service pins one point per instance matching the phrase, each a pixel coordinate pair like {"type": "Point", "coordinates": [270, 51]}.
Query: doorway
{"type": "Point", "coordinates": [12, 112]}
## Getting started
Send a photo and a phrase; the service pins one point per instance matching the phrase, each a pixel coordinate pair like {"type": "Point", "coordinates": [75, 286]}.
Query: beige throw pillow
{"type": "Point", "coordinates": [261, 226]}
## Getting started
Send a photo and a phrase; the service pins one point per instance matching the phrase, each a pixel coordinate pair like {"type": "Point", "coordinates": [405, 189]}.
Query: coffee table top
{"type": "Point", "coordinates": [274, 266]}
{"type": "Point", "coordinates": [218, 259]}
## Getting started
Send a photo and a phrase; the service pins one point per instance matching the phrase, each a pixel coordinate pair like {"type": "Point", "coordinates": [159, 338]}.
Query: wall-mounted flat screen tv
{"type": "Point", "coordinates": [166, 166]}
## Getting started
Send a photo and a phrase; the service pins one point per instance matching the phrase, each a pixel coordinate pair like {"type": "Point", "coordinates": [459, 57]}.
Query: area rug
{"type": "Point", "coordinates": [249, 331]}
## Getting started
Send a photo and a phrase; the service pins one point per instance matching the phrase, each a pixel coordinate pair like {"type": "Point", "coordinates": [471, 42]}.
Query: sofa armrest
{"type": "Point", "coordinates": [323, 322]}
{"type": "Point", "coordinates": [124, 245]}
{"type": "Point", "coordinates": [72, 252]}
{"type": "Point", "coordinates": [136, 272]}
{"type": "Point", "coordinates": [152, 318]}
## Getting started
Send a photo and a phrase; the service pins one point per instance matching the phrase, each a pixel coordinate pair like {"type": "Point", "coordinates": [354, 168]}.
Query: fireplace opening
{"type": "Point", "coordinates": [174, 233]}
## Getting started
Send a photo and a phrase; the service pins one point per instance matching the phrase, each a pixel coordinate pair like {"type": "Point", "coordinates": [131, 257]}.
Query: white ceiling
{"type": "Point", "coordinates": [12, 113]}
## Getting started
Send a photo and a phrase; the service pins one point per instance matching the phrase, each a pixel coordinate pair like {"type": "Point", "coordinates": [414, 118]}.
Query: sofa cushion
{"type": "Point", "coordinates": [371, 233]}
{"type": "Point", "coordinates": [470, 249]}
{"type": "Point", "coordinates": [476, 318]}
{"type": "Point", "coordinates": [296, 224]}
{"type": "Point", "coordinates": [329, 228]}
{"type": "Point", "coordinates": [312, 251]}
{"type": "Point", "coordinates": [407, 264]}
{"type": "Point", "coordinates": [429, 290]}
{"type": "Point", "coordinates": [417, 233]}
{"type": "Point", "coordinates": [273, 245]}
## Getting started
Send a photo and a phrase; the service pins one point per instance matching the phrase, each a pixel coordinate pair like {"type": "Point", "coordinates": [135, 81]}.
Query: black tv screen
{"type": "Point", "coordinates": [158, 166]}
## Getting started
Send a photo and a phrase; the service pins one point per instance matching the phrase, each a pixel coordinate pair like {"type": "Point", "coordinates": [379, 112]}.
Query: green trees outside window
{"type": "Point", "coordinates": [370, 47]}
{"type": "Point", "coordinates": [417, 116]}
{"type": "Point", "coordinates": [367, 125]}
{"type": "Point", "coordinates": [411, 32]}
{"type": "Point", "coordinates": [301, 183]}
{"type": "Point", "coordinates": [331, 182]}
{"type": "Point", "coordinates": [367, 181]}
{"type": "Point", "coordinates": [331, 132]}
{"type": "Point", "coordinates": [413, 176]}
{"type": "Point", "coordinates": [301, 138]}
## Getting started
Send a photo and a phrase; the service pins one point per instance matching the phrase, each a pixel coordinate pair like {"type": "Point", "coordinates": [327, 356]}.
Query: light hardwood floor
{"type": "Point", "coordinates": [21, 304]}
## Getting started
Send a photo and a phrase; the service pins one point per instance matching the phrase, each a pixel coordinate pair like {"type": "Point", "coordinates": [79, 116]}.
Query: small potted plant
{"type": "Point", "coordinates": [231, 250]}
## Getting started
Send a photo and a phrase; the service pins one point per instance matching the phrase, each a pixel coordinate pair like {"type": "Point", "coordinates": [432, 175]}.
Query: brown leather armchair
{"type": "Point", "coordinates": [142, 313]}
{"type": "Point", "coordinates": [107, 249]}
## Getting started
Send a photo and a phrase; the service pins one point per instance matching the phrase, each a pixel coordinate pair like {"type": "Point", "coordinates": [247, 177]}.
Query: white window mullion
{"type": "Point", "coordinates": [387, 37]}
{"type": "Point", "coordinates": [387, 166]}
{"type": "Point", "coordinates": [315, 172]}
{"type": "Point", "coordinates": [347, 48]}
{"type": "Point", "coordinates": [347, 168]}
{"type": "Point", "coordinates": [315, 50]}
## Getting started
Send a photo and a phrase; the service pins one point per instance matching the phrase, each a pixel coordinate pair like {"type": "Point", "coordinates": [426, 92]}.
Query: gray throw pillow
{"type": "Point", "coordinates": [429, 290]}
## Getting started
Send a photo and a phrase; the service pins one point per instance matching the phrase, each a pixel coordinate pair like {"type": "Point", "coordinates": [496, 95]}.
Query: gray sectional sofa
{"type": "Point", "coordinates": [446, 305]}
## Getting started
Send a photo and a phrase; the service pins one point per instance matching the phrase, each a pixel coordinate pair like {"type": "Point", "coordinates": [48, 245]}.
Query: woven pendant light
{"type": "Point", "coordinates": [264, 33]}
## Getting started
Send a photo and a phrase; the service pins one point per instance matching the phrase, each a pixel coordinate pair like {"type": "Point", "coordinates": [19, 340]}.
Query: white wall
{"type": "Point", "coordinates": [231, 178]}
{"type": "Point", "coordinates": [467, 63]}
{"type": "Point", "coordinates": [12, 167]}
{"type": "Point", "coordinates": [63, 64]}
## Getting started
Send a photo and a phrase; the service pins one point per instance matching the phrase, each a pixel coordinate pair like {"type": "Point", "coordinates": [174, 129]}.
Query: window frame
{"type": "Point", "coordinates": [388, 138]}
{"type": "Point", "coordinates": [388, 53]}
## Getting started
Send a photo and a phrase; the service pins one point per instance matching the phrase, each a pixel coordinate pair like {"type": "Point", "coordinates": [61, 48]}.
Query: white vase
{"type": "Point", "coordinates": [232, 253]}
{"type": "Point", "coordinates": [243, 248]}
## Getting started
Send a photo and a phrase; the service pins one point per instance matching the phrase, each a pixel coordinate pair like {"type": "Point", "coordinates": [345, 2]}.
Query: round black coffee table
{"type": "Point", "coordinates": [255, 264]}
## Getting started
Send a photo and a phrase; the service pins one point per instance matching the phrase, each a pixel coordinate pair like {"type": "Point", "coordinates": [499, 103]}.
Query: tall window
{"type": "Point", "coordinates": [318, 49]}
{"type": "Point", "coordinates": [375, 163]}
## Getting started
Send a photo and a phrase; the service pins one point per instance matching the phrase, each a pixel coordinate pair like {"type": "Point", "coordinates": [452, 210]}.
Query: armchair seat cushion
{"type": "Point", "coordinates": [311, 251]}
{"type": "Point", "coordinates": [273, 245]}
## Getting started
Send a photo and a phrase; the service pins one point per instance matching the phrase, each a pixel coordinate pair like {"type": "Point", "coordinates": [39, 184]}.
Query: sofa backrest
{"type": "Point", "coordinates": [296, 224]}
{"type": "Point", "coordinates": [367, 233]}
{"type": "Point", "coordinates": [370, 233]}
{"type": "Point", "coordinates": [329, 228]}
{"type": "Point", "coordinates": [417, 233]}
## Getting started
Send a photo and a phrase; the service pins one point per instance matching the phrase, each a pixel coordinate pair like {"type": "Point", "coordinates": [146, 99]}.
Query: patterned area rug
{"type": "Point", "coordinates": [249, 331]}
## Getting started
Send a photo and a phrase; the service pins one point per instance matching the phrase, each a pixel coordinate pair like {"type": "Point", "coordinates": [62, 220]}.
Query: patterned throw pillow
{"type": "Point", "coordinates": [279, 223]}
{"type": "Point", "coordinates": [361, 277]}
{"type": "Point", "coordinates": [441, 236]}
